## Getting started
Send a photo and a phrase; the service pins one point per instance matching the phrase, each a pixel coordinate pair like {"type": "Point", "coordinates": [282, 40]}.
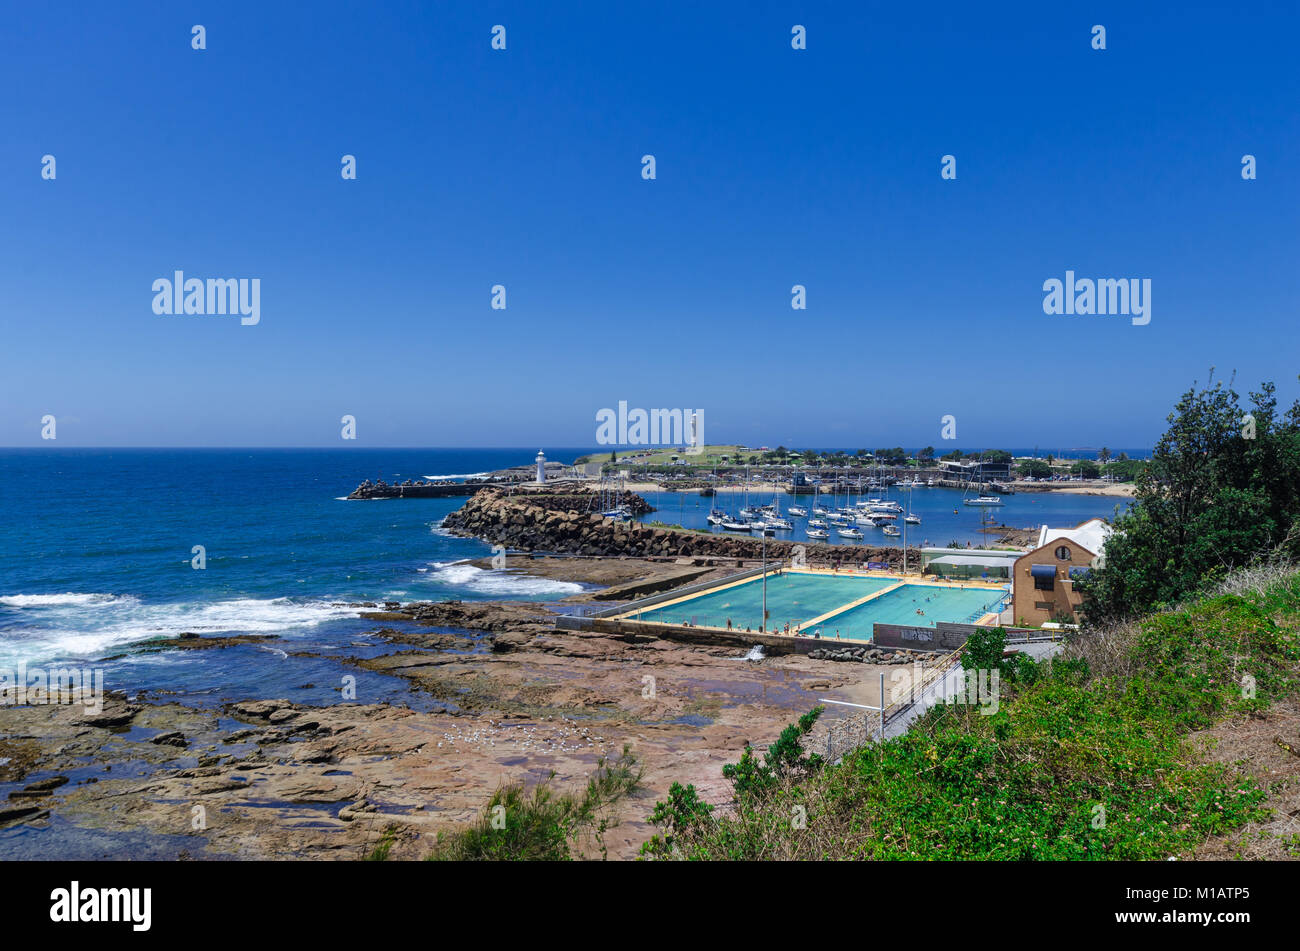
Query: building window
{"type": "Point", "coordinates": [1044, 577]}
{"type": "Point", "coordinates": [1063, 553]}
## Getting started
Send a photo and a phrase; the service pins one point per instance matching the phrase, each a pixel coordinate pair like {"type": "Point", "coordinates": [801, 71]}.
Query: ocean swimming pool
{"type": "Point", "coordinates": [791, 597]}
{"type": "Point", "coordinates": [797, 598]}
{"type": "Point", "coordinates": [938, 602]}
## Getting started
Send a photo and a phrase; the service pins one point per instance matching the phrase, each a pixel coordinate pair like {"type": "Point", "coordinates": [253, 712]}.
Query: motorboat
{"type": "Point", "coordinates": [983, 500]}
{"type": "Point", "coordinates": [849, 532]}
{"type": "Point", "coordinates": [891, 530]}
{"type": "Point", "coordinates": [735, 525]}
{"type": "Point", "coordinates": [912, 519]}
{"type": "Point", "coordinates": [818, 533]}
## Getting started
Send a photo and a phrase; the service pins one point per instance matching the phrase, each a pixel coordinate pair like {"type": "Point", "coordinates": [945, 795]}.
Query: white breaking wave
{"type": "Point", "coordinates": [497, 583]}
{"type": "Point", "coordinates": [460, 475]}
{"type": "Point", "coordinates": [59, 600]}
{"type": "Point", "coordinates": [95, 625]}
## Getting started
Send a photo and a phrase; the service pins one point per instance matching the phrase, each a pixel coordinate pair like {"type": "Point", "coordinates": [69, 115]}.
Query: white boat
{"type": "Point", "coordinates": [929, 483]}
{"type": "Point", "coordinates": [798, 511]}
{"type": "Point", "coordinates": [748, 513]}
{"type": "Point", "coordinates": [735, 525]}
{"type": "Point", "coordinates": [821, 510]}
{"type": "Point", "coordinates": [912, 519]}
{"type": "Point", "coordinates": [780, 524]}
{"type": "Point", "coordinates": [849, 532]}
{"type": "Point", "coordinates": [891, 529]}
{"type": "Point", "coordinates": [983, 500]}
{"type": "Point", "coordinates": [816, 523]}
{"type": "Point", "coordinates": [818, 533]}
{"type": "Point", "coordinates": [717, 517]}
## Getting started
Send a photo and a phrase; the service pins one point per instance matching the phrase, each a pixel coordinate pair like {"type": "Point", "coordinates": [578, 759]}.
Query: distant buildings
{"type": "Point", "coordinates": [1043, 580]}
{"type": "Point", "coordinates": [971, 470]}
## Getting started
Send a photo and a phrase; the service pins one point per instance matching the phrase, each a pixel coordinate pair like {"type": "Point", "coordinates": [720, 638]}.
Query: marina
{"type": "Point", "coordinates": [926, 515]}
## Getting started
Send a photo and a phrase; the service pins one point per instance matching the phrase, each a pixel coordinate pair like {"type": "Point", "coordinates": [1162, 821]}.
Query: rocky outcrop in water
{"type": "Point", "coordinates": [555, 523]}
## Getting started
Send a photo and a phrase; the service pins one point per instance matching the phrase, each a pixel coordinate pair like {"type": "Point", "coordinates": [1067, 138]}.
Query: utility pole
{"type": "Point", "coordinates": [762, 628]}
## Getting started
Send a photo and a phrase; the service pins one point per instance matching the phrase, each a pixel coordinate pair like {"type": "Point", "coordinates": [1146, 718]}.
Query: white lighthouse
{"type": "Point", "coordinates": [541, 466]}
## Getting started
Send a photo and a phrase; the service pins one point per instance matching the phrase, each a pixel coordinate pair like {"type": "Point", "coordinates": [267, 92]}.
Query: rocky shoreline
{"type": "Point", "coordinates": [270, 778]}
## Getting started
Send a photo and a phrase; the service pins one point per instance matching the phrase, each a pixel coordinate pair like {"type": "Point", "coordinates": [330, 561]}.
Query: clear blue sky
{"type": "Point", "coordinates": [522, 167]}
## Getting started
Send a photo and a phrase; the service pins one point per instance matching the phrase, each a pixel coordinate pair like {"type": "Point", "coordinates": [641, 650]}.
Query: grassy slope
{"type": "Point", "coordinates": [1105, 728]}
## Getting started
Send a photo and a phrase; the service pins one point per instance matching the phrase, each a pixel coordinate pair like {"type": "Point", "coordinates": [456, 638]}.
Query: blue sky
{"type": "Point", "coordinates": [775, 167]}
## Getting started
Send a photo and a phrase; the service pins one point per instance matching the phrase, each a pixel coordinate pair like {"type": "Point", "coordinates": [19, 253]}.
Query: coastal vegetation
{"type": "Point", "coordinates": [545, 824]}
{"type": "Point", "coordinates": [1089, 756]}
{"type": "Point", "coordinates": [732, 458]}
{"type": "Point", "coordinates": [1221, 490]}
{"type": "Point", "coordinates": [1192, 623]}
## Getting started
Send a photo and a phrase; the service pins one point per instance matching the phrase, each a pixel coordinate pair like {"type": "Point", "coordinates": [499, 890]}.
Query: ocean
{"type": "Point", "coordinates": [97, 546]}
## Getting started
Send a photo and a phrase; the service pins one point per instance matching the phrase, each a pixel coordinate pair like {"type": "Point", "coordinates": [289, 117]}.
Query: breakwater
{"type": "Point", "coordinates": [554, 522]}
{"type": "Point", "coordinates": [412, 489]}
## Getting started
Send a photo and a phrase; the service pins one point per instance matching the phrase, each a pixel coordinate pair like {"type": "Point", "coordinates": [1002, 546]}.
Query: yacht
{"type": "Point", "coordinates": [983, 500]}
{"type": "Point", "coordinates": [849, 532]}
{"type": "Point", "coordinates": [778, 523]}
{"type": "Point", "coordinates": [912, 519]}
{"type": "Point", "coordinates": [735, 525]}
{"type": "Point", "coordinates": [798, 511]}
{"type": "Point", "coordinates": [717, 517]}
{"type": "Point", "coordinates": [891, 529]}
{"type": "Point", "coordinates": [820, 509]}
{"type": "Point", "coordinates": [816, 523]}
{"type": "Point", "coordinates": [818, 533]}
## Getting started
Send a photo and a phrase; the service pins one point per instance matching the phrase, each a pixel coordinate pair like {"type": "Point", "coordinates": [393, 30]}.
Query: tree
{"type": "Point", "coordinates": [926, 455]}
{"type": "Point", "coordinates": [1209, 500]}
{"type": "Point", "coordinates": [1086, 468]}
{"type": "Point", "coordinates": [1104, 456]}
{"type": "Point", "coordinates": [1035, 468]}
{"type": "Point", "coordinates": [1124, 470]}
